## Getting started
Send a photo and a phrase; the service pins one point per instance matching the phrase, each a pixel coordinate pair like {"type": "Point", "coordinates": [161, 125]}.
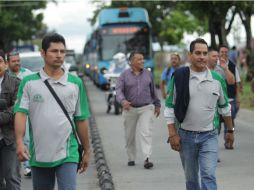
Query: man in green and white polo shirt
{"type": "Point", "coordinates": [53, 148]}
{"type": "Point", "coordinates": [14, 66]}
{"type": "Point", "coordinates": [196, 96]}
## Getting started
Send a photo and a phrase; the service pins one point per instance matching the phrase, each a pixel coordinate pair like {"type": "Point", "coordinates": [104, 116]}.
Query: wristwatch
{"type": "Point", "coordinates": [231, 130]}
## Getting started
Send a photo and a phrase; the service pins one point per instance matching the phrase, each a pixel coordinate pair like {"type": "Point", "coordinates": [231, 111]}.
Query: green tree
{"type": "Point", "coordinates": [18, 21]}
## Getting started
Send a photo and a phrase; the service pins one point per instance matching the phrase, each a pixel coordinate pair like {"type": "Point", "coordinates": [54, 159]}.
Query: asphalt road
{"type": "Point", "coordinates": [234, 172]}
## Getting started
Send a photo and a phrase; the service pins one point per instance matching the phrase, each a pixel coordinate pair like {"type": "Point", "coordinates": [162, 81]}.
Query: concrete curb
{"type": "Point", "coordinates": [103, 172]}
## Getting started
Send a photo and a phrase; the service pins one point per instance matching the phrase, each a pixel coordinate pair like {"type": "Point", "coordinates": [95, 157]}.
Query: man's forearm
{"type": "Point", "coordinates": [229, 76]}
{"type": "Point", "coordinates": [228, 122]}
{"type": "Point", "coordinates": [20, 126]}
{"type": "Point", "coordinates": [82, 129]}
{"type": "Point", "coordinates": [171, 130]}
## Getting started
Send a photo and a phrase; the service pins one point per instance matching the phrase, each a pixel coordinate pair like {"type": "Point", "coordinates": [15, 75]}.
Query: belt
{"type": "Point", "coordinates": [139, 106]}
{"type": "Point", "coordinates": [197, 131]}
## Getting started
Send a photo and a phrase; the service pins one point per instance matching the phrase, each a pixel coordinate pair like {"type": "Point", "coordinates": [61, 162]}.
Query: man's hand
{"type": "Point", "coordinates": [229, 140]}
{"type": "Point", "coordinates": [85, 162]}
{"type": "Point", "coordinates": [223, 64]}
{"type": "Point", "coordinates": [174, 138]}
{"type": "Point", "coordinates": [22, 152]}
{"type": "Point", "coordinates": [157, 111]}
{"type": "Point", "coordinates": [126, 104]}
{"type": "Point", "coordinates": [174, 141]}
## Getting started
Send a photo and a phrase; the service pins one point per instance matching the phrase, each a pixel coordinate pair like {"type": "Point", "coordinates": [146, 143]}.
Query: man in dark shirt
{"type": "Point", "coordinates": [137, 94]}
{"type": "Point", "coordinates": [9, 164]}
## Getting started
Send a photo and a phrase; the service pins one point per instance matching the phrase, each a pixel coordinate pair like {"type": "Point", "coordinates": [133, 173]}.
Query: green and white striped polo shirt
{"type": "Point", "coordinates": [22, 73]}
{"type": "Point", "coordinates": [51, 138]}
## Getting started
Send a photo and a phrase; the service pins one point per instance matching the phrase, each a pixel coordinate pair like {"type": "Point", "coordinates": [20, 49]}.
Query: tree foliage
{"type": "Point", "coordinates": [18, 21]}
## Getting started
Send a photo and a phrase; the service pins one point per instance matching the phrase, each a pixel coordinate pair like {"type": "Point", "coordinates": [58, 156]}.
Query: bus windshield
{"type": "Point", "coordinates": [125, 40]}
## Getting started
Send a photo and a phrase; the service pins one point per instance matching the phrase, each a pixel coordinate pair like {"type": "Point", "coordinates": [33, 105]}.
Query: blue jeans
{"type": "Point", "coordinates": [199, 154]}
{"type": "Point", "coordinates": [44, 178]}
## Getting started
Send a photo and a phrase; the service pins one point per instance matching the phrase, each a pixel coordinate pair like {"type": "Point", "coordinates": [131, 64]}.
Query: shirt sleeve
{"type": "Point", "coordinates": [169, 113]}
{"type": "Point", "coordinates": [120, 89]}
{"type": "Point", "coordinates": [22, 102]}
{"type": "Point", "coordinates": [170, 100]}
{"type": "Point", "coordinates": [156, 100]}
{"type": "Point", "coordinates": [224, 107]}
{"type": "Point", "coordinates": [163, 75]}
{"type": "Point", "coordinates": [82, 107]}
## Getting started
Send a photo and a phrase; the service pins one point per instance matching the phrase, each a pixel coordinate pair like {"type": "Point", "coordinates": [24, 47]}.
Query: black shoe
{"type": "Point", "coordinates": [131, 163]}
{"type": "Point", "coordinates": [148, 164]}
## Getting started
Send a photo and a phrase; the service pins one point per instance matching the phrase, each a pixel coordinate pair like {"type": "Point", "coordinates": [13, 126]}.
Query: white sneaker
{"type": "Point", "coordinates": [27, 172]}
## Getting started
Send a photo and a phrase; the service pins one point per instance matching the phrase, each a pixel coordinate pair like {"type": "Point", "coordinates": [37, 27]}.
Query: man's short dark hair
{"type": "Point", "coordinates": [49, 38]}
{"type": "Point", "coordinates": [212, 49]}
{"type": "Point", "coordinates": [12, 53]}
{"type": "Point", "coordinates": [133, 53]}
{"type": "Point", "coordinates": [197, 41]}
{"type": "Point", "coordinates": [2, 55]}
{"type": "Point", "coordinates": [223, 46]}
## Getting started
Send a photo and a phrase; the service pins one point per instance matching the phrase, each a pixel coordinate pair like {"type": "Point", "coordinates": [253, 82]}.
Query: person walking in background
{"type": "Point", "coordinates": [233, 55]}
{"type": "Point", "coordinates": [220, 66]}
{"type": "Point", "coordinates": [136, 93]}
{"type": "Point", "coordinates": [9, 164]}
{"type": "Point", "coordinates": [14, 66]}
{"type": "Point", "coordinates": [191, 114]}
{"type": "Point", "coordinates": [15, 69]}
{"type": "Point", "coordinates": [167, 73]}
{"type": "Point", "coordinates": [54, 149]}
{"type": "Point", "coordinates": [232, 89]}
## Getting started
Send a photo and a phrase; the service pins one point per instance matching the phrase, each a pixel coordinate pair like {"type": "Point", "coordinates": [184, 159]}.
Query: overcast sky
{"type": "Point", "coordinates": [69, 18]}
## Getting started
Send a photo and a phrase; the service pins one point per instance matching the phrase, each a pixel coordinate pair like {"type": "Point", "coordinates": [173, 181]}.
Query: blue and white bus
{"type": "Point", "coordinates": [117, 30]}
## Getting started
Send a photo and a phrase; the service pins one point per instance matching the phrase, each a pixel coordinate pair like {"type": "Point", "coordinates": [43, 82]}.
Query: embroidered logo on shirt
{"type": "Point", "coordinates": [38, 98]}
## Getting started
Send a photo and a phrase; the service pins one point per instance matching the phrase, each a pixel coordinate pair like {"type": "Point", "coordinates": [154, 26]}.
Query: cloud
{"type": "Point", "coordinates": [69, 18]}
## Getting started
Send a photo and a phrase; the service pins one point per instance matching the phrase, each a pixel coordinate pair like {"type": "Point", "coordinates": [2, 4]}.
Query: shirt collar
{"type": "Point", "coordinates": [208, 75]}
{"type": "Point", "coordinates": [133, 70]}
{"type": "Point", "coordinates": [63, 79]}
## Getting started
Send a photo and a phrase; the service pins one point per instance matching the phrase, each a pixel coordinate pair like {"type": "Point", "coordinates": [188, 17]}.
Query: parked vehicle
{"type": "Point", "coordinates": [32, 60]}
